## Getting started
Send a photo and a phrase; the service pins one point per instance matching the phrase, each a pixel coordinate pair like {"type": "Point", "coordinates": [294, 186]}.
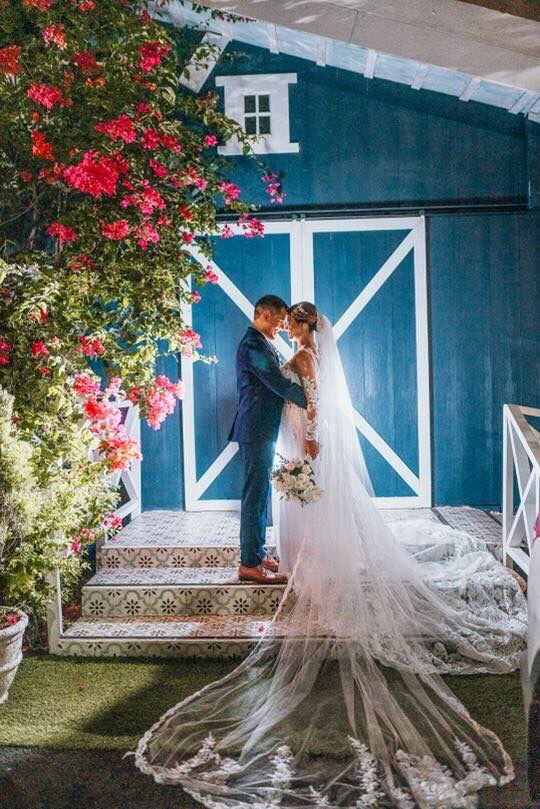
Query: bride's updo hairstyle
{"type": "Point", "coordinates": [305, 312]}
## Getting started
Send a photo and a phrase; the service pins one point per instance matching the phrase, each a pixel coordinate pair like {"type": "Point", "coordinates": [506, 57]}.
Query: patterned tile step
{"type": "Point", "coordinates": [480, 524]}
{"type": "Point", "coordinates": [167, 591]}
{"type": "Point", "coordinates": [203, 627]}
{"type": "Point", "coordinates": [130, 647]}
{"type": "Point", "coordinates": [193, 539]}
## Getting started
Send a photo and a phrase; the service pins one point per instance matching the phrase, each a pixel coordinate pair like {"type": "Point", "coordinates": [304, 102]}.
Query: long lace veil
{"type": "Point", "coordinates": [341, 702]}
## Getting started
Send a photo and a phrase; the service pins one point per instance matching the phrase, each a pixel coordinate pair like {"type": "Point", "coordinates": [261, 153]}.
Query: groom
{"type": "Point", "coordinates": [262, 391]}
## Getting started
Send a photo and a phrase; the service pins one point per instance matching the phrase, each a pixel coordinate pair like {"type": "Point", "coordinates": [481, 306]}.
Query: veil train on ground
{"type": "Point", "coordinates": [341, 702]}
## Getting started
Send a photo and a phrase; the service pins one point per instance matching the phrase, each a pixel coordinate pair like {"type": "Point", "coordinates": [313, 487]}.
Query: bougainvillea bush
{"type": "Point", "coordinates": [109, 172]}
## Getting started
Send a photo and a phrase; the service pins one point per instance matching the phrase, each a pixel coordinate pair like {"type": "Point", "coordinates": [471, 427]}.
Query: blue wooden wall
{"type": "Point", "coordinates": [372, 143]}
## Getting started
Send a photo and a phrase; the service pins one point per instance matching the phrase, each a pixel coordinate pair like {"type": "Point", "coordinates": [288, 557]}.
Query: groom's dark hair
{"type": "Point", "coordinates": [269, 303]}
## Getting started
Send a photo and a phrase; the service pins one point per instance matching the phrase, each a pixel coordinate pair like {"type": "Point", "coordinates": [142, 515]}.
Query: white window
{"type": "Point", "coordinates": [260, 104]}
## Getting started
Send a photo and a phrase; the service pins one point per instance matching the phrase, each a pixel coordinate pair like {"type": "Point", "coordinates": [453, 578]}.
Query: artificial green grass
{"type": "Point", "coordinates": [89, 703]}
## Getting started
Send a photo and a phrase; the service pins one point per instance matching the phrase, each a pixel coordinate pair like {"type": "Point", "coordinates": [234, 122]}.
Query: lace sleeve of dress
{"type": "Point", "coordinates": [307, 367]}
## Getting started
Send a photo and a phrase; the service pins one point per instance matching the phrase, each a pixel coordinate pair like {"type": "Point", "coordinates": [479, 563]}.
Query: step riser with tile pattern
{"type": "Point", "coordinates": [111, 557]}
{"type": "Point", "coordinates": [129, 601]}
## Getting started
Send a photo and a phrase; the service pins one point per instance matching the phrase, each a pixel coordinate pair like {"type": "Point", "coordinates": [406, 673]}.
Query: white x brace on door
{"type": "Point", "coordinates": [312, 246]}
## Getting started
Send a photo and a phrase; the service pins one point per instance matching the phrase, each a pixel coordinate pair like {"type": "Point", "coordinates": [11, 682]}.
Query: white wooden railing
{"type": "Point", "coordinates": [521, 457]}
{"type": "Point", "coordinates": [131, 478]}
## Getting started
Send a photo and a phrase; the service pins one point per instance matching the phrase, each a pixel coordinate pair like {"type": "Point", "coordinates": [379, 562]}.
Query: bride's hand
{"type": "Point", "coordinates": [311, 448]}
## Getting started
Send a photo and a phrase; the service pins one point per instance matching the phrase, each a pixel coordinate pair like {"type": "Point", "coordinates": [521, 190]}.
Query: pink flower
{"type": "Point", "coordinates": [54, 35]}
{"type": "Point", "coordinates": [4, 360]}
{"type": "Point", "coordinates": [226, 232]}
{"type": "Point", "coordinates": [146, 235]}
{"type": "Point", "coordinates": [210, 276]}
{"type": "Point", "coordinates": [273, 188]}
{"type": "Point", "coordinates": [39, 348]}
{"type": "Point", "coordinates": [185, 212]}
{"type": "Point", "coordinates": [120, 128]}
{"type": "Point", "coordinates": [84, 385]}
{"type": "Point", "coordinates": [119, 450]}
{"type": "Point", "coordinates": [95, 174]}
{"type": "Point", "coordinates": [90, 346]}
{"type": "Point", "coordinates": [151, 54]}
{"type": "Point", "coordinates": [195, 296]}
{"type": "Point", "coordinates": [86, 5]}
{"type": "Point", "coordinates": [4, 346]}
{"type": "Point", "coordinates": [46, 95]}
{"type": "Point", "coordinates": [230, 191]}
{"type": "Point", "coordinates": [142, 108]}
{"type": "Point", "coordinates": [63, 233]}
{"type": "Point", "coordinates": [75, 545]}
{"type": "Point", "coordinates": [8, 60]}
{"type": "Point", "coordinates": [537, 526]}
{"type": "Point", "coordinates": [79, 262]}
{"type": "Point", "coordinates": [188, 340]}
{"type": "Point", "coordinates": [210, 140]}
{"type": "Point", "coordinates": [116, 231]}
{"type": "Point", "coordinates": [251, 227]}
{"type": "Point", "coordinates": [112, 522]}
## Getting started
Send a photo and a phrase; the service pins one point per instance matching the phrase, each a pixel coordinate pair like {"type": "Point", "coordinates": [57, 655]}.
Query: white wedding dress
{"type": "Point", "coordinates": [341, 703]}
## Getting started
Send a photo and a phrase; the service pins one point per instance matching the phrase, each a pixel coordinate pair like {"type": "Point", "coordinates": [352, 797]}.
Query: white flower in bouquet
{"type": "Point", "coordinates": [295, 480]}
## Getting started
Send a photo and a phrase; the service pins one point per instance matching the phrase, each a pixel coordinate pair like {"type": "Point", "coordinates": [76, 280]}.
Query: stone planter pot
{"type": "Point", "coordinates": [11, 639]}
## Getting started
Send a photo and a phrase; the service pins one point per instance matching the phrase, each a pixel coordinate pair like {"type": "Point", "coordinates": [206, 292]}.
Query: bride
{"type": "Point", "coordinates": [341, 703]}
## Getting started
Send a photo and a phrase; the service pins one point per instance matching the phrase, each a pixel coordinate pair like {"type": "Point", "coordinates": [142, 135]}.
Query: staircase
{"type": "Point", "coordinates": [167, 586]}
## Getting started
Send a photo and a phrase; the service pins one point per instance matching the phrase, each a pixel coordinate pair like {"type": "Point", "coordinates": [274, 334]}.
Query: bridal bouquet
{"type": "Point", "coordinates": [295, 480]}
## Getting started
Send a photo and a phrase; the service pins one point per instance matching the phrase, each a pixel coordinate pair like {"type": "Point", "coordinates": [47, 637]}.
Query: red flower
{"type": "Point", "coordinates": [53, 174]}
{"type": "Point", "coordinates": [46, 95]}
{"type": "Point", "coordinates": [8, 60]}
{"type": "Point", "coordinates": [64, 234]}
{"type": "Point", "coordinates": [40, 146]}
{"type": "Point", "coordinates": [150, 139]}
{"type": "Point", "coordinates": [79, 262]}
{"type": "Point", "coordinates": [170, 142]}
{"type": "Point", "coordinates": [187, 237]}
{"type": "Point", "coordinates": [3, 359]}
{"type": "Point", "coordinates": [158, 168]}
{"type": "Point", "coordinates": [115, 230]}
{"type": "Point", "coordinates": [210, 140]}
{"type": "Point", "coordinates": [120, 128]}
{"type": "Point", "coordinates": [186, 213]}
{"type": "Point", "coordinates": [38, 348]}
{"type": "Point", "coordinates": [95, 174]}
{"type": "Point", "coordinates": [86, 62]}
{"type": "Point", "coordinates": [75, 545]}
{"type": "Point", "coordinates": [44, 371]}
{"type": "Point", "coordinates": [83, 385]}
{"type": "Point", "coordinates": [90, 346]}
{"type": "Point", "coordinates": [151, 54]}
{"type": "Point", "coordinates": [54, 34]}
{"type": "Point", "coordinates": [141, 108]}
{"type": "Point", "coordinates": [86, 5]}
{"type": "Point", "coordinates": [41, 5]}
{"type": "Point", "coordinates": [210, 276]}
{"type": "Point", "coordinates": [25, 176]}
{"type": "Point", "coordinates": [230, 191]}
{"type": "Point", "coordinates": [4, 346]}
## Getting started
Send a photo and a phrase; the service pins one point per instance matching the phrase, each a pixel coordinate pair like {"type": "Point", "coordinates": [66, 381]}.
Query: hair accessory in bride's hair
{"type": "Point", "coordinates": [306, 312]}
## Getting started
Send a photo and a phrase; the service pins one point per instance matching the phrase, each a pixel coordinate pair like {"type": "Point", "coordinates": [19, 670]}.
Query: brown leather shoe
{"type": "Point", "coordinates": [270, 564]}
{"type": "Point", "coordinates": [260, 575]}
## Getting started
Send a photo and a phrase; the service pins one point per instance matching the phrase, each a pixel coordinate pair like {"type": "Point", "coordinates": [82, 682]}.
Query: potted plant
{"type": "Point", "coordinates": [13, 622]}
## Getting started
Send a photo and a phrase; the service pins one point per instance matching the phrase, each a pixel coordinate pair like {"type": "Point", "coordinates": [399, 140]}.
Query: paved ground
{"type": "Point", "coordinates": [34, 778]}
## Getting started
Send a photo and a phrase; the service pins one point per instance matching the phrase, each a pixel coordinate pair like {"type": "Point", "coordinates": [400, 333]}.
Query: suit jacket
{"type": "Point", "coordinates": [262, 390]}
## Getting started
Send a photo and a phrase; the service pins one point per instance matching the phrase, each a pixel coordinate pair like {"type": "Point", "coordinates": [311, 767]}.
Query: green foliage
{"type": "Point", "coordinates": [152, 171]}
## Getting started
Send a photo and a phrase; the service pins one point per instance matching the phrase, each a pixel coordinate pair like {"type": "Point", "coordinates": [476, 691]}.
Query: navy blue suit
{"type": "Point", "coordinates": [262, 390]}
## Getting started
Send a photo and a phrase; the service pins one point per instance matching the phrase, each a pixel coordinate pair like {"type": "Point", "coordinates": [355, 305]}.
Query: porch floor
{"type": "Point", "coordinates": [167, 586]}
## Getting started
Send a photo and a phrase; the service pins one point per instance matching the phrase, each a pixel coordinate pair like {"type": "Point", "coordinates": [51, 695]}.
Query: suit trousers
{"type": "Point", "coordinates": [257, 459]}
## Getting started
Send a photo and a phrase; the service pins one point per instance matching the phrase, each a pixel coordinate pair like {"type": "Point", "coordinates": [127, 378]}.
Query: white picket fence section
{"type": "Point", "coordinates": [131, 478]}
{"type": "Point", "coordinates": [521, 465]}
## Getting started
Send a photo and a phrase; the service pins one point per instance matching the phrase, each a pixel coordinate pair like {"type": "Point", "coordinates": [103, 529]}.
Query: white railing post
{"type": "Point", "coordinates": [521, 455]}
{"type": "Point", "coordinates": [131, 478]}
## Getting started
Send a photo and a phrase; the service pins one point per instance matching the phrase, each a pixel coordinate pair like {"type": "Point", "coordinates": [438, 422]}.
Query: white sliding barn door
{"type": "Point", "coordinates": [369, 277]}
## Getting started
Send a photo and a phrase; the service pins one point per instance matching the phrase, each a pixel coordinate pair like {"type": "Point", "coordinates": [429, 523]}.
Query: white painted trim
{"type": "Point", "coordinates": [420, 76]}
{"type": "Point", "coordinates": [320, 52]}
{"type": "Point", "coordinates": [275, 85]}
{"type": "Point", "coordinates": [374, 285]}
{"type": "Point", "coordinates": [302, 288]}
{"type": "Point", "coordinates": [273, 42]}
{"type": "Point", "coordinates": [470, 89]}
{"type": "Point", "coordinates": [371, 61]}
